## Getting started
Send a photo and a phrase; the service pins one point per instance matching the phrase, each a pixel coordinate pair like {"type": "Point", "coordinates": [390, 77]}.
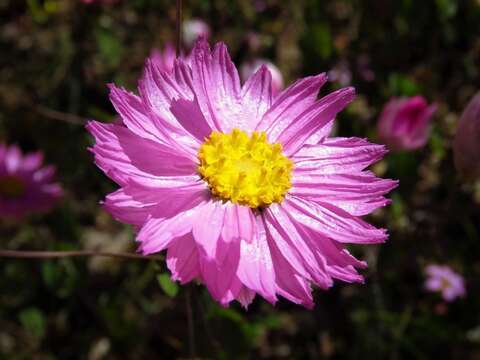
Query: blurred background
{"type": "Point", "coordinates": [56, 57]}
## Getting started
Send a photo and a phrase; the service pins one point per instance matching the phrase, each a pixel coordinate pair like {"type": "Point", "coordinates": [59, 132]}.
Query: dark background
{"type": "Point", "coordinates": [56, 57]}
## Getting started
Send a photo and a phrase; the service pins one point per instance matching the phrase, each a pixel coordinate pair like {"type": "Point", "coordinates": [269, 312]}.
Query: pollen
{"type": "Point", "coordinates": [245, 170]}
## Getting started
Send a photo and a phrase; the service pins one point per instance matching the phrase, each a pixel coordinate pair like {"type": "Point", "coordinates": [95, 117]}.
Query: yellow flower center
{"type": "Point", "coordinates": [246, 170]}
{"type": "Point", "coordinates": [11, 186]}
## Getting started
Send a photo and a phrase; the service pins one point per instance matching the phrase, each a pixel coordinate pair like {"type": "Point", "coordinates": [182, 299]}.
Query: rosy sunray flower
{"type": "Point", "coordinates": [441, 278]}
{"type": "Point", "coordinates": [466, 144]}
{"type": "Point", "coordinates": [247, 193]}
{"type": "Point", "coordinates": [26, 186]}
{"type": "Point", "coordinates": [404, 123]}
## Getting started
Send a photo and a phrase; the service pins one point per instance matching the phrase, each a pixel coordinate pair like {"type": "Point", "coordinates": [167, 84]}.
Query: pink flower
{"type": "Point", "coordinates": [404, 123]}
{"type": "Point", "coordinates": [466, 145]}
{"type": "Point", "coordinates": [193, 30]}
{"type": "Point", "coordinates": [341, 73]}
{"type": "Point", "coordinates": [249, 68]}
{"type": "Point", "coordinates": [246, 192]}
{"type": "Point", "coordinates": [443, 279]}
{"type": "Point", "coordinates": [164, 59]}
{"type": "Point", "coordinates": [25, 186]}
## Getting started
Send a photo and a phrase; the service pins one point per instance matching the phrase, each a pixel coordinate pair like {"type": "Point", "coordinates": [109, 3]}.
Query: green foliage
{"type": "Point", "coordinates": [168, 286]}
{"type": "Point", "coordinates": [33, 321]}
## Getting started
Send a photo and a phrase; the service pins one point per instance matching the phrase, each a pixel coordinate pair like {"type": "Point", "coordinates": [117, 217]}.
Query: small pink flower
{"type": "Point", "coordinates": [444, 280]}
{"type": "Point", "coordinates": [466, 145]}
{"type": "Point", "coordinates": [341, 73]}
{"type": "Point", "coordinates": [404, 123]}
{"type": "Point", "coordinates": [246, 192]}
{"type": "Point", "coordinates": [249, 68]}
{"type": "Point", "coordinates": [193, 30]}
{"type": "Point", "coordinates": [25, 186]}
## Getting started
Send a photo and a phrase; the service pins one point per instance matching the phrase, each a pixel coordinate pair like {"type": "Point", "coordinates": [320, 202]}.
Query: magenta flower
{"type": "Point", "coordinates": [25, 186]}
{"type": "Point", "coordinates": [193, 30]}
{"type": "Point", "coordinates": [404, 123]}
{"type": "Point", "coordinates": [247, 193]}
{"type": "Point", "coordinates": [341, 73]}
{"type": "Point", "coordinates": [249, 68]}
{"type": "Point", "coordinates": [466, 145]}
{"type": "Point", "coordinates": [165, 58]}
{"type": "Point", "coordinates": [443, 279]}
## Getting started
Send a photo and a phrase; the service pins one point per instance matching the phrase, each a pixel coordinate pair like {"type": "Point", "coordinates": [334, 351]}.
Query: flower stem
{"type": "Point", "coordinates": [18, 254]}
{"type": "Point", "coordinates": [178, 29]}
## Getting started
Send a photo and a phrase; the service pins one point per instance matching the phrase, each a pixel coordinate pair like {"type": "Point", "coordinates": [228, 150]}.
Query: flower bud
{"type": "Point", "coordinates": [466, 145]}
{"type": "Point", "coordinates": [249, 68]}
{"type": "Point", "coordinates": [193, 30]}
{"type": "Point", "coordinates": [405, 123]}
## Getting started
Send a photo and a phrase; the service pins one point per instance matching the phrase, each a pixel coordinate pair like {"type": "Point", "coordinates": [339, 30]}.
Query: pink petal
{"type": "Point", "coordinates": [338, 156]}
{"type": "Point", "coordinates": [123, 155]}
{"type": "Point", "coordinates": [290, 103]}
{"type": "Point", "coordinates": [255, 268]}
{"type": "Point", "coordinates": [313, 119]}
{"type": "Point", "coordinates": [32, 161]}
{"type": "Point", "coordinates": [135, 116]}
{"type": "Point", "coordinates": [189, 115]}
{"type": "Point", "coordinates": [182, 259]}
{"type": "Point", "coordinates": [125, 208]}
{"type": "Point", "coordinates": [216, 84]}
{"type": "Point", "coordinates": [13, 159]}
{"type": "Point", "coordinates": [289, 283]}
{"type": "Point", "coordinates": [315, 266]}
{"type": "Point", "coordinates": [339, 263]}
{"type": "Point", "coordinates": [256, 99]}
{"type": "Point", "coordinates": [158, 233]}
{"type": "Point", "coordinates": [332, 222]}
{"type": "Point", "coordinates": [321, 134]}
{"type": "Point", "coordinates": [170, 200]}
{"type": "Point", "coordinates": [359, 194]}
{"type": "Point", "coordinates": [158, 89]}
{"type": "Point", "coordinates": [245, 296]}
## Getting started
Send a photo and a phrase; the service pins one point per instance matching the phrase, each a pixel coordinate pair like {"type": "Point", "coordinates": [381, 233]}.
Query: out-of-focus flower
{"type": "Point", "coordinates": [364, 69]}
{"type": "Point", "coordinates": [246, 192]}
{"type": "Point", "coordinates": [254, 41]}
{"type": "Point", "coordinates": [25, 186]}
{"type": "Point", "coordinates": [441, 278]}
{"type": "Point", "coordinates": [466, 145]}
{"type": "Point", "coordinates": [341, 73]}
{"type": "Point", "coordinates": [165, 58]}
{"type": "Point", "coordinates": [193, 30]}
{"type": "Point", "coordinates": [249, 68]}
{"type": "Point", "coordinates": [405, 123]}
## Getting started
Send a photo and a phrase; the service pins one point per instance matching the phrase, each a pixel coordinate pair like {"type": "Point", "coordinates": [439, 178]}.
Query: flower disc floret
{"type": "Point", "coordinates": [244, 169]}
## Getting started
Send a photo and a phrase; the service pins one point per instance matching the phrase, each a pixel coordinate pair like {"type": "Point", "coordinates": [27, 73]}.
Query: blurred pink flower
{"type": "Point", "coordinates": [341, 73]}
{"type": "Point", "coordinates": [443, 279]}
{"type": "Point", "coordinates": [25, 186]}
{"type": "Point", "coordinates": [466, 145]}
{"type": "Point", "coordinates": [405, 123]}
{"type": "Point", "coordinates": [246, 192]}
{"type": "Point", "coordinates": [165, 58]}
{"type": "Point", "coordinates": [364, 69]}
{"type": "Point", "coordinates": [193, 30]}
{"type": "Point", "coordinates": [249, 68]}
